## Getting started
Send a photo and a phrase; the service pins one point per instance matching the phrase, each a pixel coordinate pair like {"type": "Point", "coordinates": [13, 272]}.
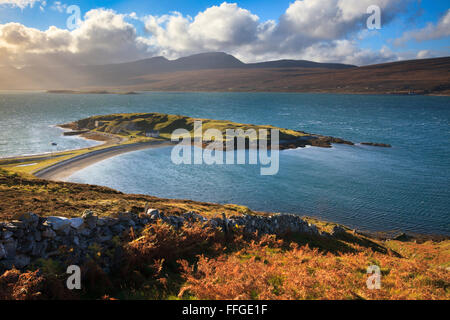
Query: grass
{"type": "Point", "coordinates": [21, 192]}
{"type": "Point", "coordinates": [203, 263]}
{"type": "Point", "coordinates": [136, 124]}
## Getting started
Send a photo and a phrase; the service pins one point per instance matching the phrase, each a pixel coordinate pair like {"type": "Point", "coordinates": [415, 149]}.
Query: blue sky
{"type": "Point", "coordinates": [409, 29]}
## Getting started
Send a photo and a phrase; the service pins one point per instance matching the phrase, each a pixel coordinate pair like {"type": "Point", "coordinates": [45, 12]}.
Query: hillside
{"type": "Point", "coordinates": [216, 71]}
{"type": "Point", "coordinates": [409, 77]}
{"type": "Point", "coordinates": [163, 260]}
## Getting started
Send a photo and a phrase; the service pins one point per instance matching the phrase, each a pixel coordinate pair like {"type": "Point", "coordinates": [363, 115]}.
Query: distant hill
{"type": "Point", "coordinates": [218, 71]}
{"type": "Point", "coordinates": [298, 64]}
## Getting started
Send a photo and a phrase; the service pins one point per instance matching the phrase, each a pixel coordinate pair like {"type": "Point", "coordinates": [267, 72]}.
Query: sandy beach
{"type": "Point", "coordinates": [66, 168]}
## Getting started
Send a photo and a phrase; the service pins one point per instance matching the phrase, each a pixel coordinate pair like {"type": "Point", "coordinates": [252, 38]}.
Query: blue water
{"type": "Point", "coordinates": [401, 188]}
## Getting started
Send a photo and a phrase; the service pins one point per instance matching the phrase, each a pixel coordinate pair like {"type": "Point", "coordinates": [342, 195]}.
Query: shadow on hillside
{"type": "Point", "coordinates": [344, 243]}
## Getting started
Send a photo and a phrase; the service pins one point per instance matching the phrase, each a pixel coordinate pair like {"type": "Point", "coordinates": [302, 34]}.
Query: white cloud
{"type": "Point", "coordinates": [59, 6]}
{"type": "Point", "coordinates": [103, 36]}
{"type": "Point", "coordinates": [19, 3]}
{"type": "Point", "coordinates": [319, 30]}
{"type": "Point", "coordinates": [221, 28]}
{"type": "Point", "coordinates": [305, 24]}
{"type": "Point", "coordinates": [430, 32]}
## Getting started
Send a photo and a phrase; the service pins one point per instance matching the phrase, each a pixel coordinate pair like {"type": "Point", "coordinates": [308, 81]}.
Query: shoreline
{"type": "Point", "coordinates": [114, 145]}
{"type": "Point", "coordinates": [65, 168]}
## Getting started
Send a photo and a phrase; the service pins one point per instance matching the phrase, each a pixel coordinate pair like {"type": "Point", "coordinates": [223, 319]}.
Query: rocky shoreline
{"type": "Point", "coordinates": [33, 237]}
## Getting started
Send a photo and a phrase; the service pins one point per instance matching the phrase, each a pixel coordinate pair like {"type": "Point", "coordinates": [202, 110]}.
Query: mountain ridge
{"type": "Point", "coordinates": [219, 71]}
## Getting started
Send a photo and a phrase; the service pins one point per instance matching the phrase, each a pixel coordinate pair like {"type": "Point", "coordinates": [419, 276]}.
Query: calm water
{"type": "Point", "coordinates": [402, 188]}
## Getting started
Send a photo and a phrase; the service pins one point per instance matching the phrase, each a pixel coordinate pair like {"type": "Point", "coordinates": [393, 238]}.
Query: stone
{"type": "Point", "coordinates": [89, 218]}
{"type": "Point", "coordinates": [58, 223]}
{"type": "Point", "coordinates": [312, 228]}
{"type": "Point", "coordinates": [87, 214]}
{"type": "Point", "coordinates": [10, 226]}
{"type": "Point", "coordinates": [85, 232]}
{"type": "Point", "coordinates": [151, 211]}
{"type": "Point", "coordinates": [105, 238]}
{"type": "Point", "coordinates": [10, 247]}
{"type": "Point", "coordinates": [26, 246]}
{"type": "Point", "coordinates": [48, 233]}
{"type": "Point", "coordinates": [402, 237]}
{"type": "Point", "coordinates": [21, 261]}
{"type": "Point", "coordinates": [30, 218]}
{"type": "Point", "coordinates": [118, 228]}
{"type": "Point", "coordinates": [2, 252]}
{"type": "Point", "coordinates": [39, 249]}
{"type": "Point", "coordinates": [7, 235]}
{"type": "Point", "coordinates": [37, 235]}
{"type": "Point", "coordinates": [64, 231]}
{"type": "Point", "coordinates": [76, 223]}
{"type": "Point", "coordinates": [337, 231]}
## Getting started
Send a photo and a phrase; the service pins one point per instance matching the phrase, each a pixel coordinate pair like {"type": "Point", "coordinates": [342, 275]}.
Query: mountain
{"type": "Point", "coordinates": [129, 73]}
{"type": "Point", "coordinates": [218, 71]}
{"type": "Point", "coordinates": [298, 64]}
{"type": "Point", "coordinates": [427, 76]}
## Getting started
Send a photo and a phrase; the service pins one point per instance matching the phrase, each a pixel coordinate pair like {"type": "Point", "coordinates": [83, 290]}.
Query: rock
{"type": "Point", "coordinates": [104, 238]}
{"type": "Point", "coordinates": [7, 235]}
{"type": "Point", "coordinates": [2, 252]}
{"type": "Point", "coordinates": [225, 222]}
{"type": "Point", "coordinates": [151, 211]}
{"type": "Point", "coordinates": [312, 228]}
{"type": "Point", "coordinates": [58, 223]}
{"type": "Point", "coordinates": [10, 247]}
{"type": "Point", "coordinates": [30, 219]}
{"type": "Point", "coordinates": [86, 232]}
{"type": "Point", "coordinates": [26, 246]}
{"type": "Point", "coordinates": [40, 248]}
{"type": "Point", "coordinates": [91, 222]}
{"type": "Point", "coordinates": [48, 233]}
{"type": "Point", "coordinates": [11, 226]}
{"type": "Point", "coordinates": [76, 223]}
{"type": "Point", "coordinates": [118, 229]}
{"type": "Point", "coordinates": [21, 261]}
{"type": "Point", "coordinates": [337, 231]}
{"type": "Point", "coordinates": [37, 235]}
{"type": "Point", "coordinates": [402, 237]}
{"type": "Point", "coordinates": [373, 144]}
{"type": "Point", "coordinates": [87, 214]}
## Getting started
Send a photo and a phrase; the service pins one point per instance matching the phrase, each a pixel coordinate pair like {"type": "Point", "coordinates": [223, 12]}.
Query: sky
{"type": "Point", "coordinates": [36, 32]}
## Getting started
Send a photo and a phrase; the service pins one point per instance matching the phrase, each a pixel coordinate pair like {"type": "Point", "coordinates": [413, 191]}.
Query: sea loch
{"type": "Point", "coordinates": [400, 188]}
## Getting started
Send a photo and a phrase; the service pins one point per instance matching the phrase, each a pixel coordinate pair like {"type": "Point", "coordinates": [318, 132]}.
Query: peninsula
{"type": "Point", "coordinates": [137, 243]}
{"type": "Point", "coordinates": [121, 133]}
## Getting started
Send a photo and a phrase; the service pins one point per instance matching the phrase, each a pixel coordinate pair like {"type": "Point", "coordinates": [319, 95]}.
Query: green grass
{"type": "Point", "coordinates": [136, 124]}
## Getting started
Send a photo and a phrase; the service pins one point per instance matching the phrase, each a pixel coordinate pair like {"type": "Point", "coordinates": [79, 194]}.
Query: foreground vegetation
{"type": "Point", "coordinates": [198, 262]}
